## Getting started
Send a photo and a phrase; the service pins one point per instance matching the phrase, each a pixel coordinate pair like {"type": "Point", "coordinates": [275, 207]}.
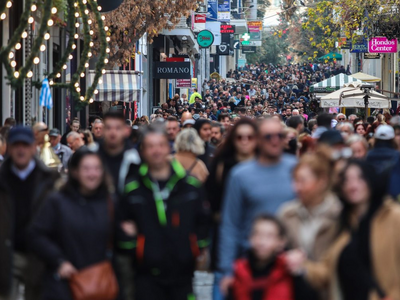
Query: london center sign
{"type": "Point", "coordinates": [171, 70]}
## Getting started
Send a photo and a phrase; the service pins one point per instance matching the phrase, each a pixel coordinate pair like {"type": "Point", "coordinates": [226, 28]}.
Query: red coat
{"type": "Point", "coordinates": [278, 285]}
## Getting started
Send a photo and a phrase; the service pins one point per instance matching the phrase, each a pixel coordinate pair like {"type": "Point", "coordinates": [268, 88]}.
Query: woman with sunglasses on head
{"type": "Point", "coordinates": [363, 263]}
{"type": "Point", "coordinates": [73, 230]}
{"type": "Point", "coordinates": [240, 145]}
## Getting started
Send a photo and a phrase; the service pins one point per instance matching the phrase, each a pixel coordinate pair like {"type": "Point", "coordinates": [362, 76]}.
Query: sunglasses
{"type": "Point", "coordinates": [341, 119]}
{"type": "Point", "coordinates": [270, 137]}
{"type": "Point", "coordinates": [245, 137]}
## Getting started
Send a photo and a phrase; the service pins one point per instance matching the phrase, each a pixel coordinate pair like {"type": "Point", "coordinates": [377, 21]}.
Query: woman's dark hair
{"type": "Point", "coordinates": [358, 125]}
{"type": "Point", "coordinates": [376, 184]}
{"type": "Point", "coordinates": [227, 151]}
{"type": "Point", "coordinates": [73, 183]}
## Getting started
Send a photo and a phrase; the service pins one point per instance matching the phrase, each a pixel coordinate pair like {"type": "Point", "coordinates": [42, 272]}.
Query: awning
{"type": "Point", "coordinates": [331, 56]}
{"type": "Point", "coordinates": [353, 96]}
{"type": "Point", "coordinates": [332, 84]}
{"type": "Point", "coordinates": [366, 77]}
{"type": "Point", "coordinates": [117, 86]}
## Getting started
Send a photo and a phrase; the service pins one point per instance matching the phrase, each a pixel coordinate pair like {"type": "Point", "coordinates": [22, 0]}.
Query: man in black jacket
{"type": "Point", "coordinates": [26, 182]}
{"type": "Point", "coordinates": [116, 153]}
{"type": "Point", "coordinates": [168, 221]}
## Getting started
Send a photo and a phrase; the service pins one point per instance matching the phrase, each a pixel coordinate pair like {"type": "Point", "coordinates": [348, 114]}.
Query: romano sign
{"type": "Point", "coordinates": [172, 70]}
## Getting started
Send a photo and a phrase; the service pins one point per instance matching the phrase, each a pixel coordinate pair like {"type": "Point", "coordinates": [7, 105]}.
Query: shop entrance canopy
{"type": "Point", "coordinates": [366, 77]}
{"type": "Point", "coordinates": [332, 84]}
{"type": "Point", "coordinates": [331, 56]}
{"type": "Point", "coordinates": [352, 96]}
{"type": "Point", "coordinates": [117, 86]}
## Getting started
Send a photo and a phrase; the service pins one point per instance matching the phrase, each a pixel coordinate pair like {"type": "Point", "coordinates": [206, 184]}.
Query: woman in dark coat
{"type": "Point", "coordinates": [73, 229]}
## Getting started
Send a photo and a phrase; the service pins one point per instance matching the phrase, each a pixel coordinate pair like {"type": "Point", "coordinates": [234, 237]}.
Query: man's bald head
{"type": "Point", "coordinates": [186, 116]}
{"type": "Point", "coordinates": [75, 141]}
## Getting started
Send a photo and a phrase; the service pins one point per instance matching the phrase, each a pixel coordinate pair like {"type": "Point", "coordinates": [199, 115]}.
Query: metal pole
{"type": "Point", "coordinates": [366, 107]}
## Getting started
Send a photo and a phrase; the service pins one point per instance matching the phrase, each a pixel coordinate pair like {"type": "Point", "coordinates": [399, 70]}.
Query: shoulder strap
{"type": "Point", "coordinates": [190, 169]}
{"type": "Point", "coordinates": [111, 215]}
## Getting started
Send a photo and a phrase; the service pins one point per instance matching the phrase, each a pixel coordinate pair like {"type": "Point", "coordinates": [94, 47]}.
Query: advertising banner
{"type": "Point", "coordinates": [255, 30]}
{"type": "Point", "coordinates": [199, 22]}
{"type": "Point", "coordinates": [382, 45]}
{"type": "Point", "coordinates": [212, 10]}
{"type": "Point", "coordinates": [224, 10]}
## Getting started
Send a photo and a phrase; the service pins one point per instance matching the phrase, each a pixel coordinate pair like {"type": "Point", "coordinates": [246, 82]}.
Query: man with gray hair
{"type": "Point", "coordinates": [352, 118]}
{"type": "Point", "coordinates": [341, 118]}
{"type": "Point", "coordinates": [75, 141]}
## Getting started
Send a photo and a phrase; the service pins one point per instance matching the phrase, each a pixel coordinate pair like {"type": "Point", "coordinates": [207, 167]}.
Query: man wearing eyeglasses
{"type": "Point", "coordinates": [341, 118]}
{"type": "Point", "coordinates": [259, 186]}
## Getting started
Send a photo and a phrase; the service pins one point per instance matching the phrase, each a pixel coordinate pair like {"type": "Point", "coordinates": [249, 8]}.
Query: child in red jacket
{"type": "Point", "coordinates": [263, 275]}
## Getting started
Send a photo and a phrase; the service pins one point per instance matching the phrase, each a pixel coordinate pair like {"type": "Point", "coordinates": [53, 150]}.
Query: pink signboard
{"type": "Point", "coordinates": [183, 83]}
{"type": "Point", "coordinates": [382, 45]}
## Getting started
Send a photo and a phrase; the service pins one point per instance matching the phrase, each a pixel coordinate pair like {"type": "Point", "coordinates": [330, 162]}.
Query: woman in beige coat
{"type": "Point", "coordinates": [364, 261]}
{"type": "Point", "coordinates": [311, 220]}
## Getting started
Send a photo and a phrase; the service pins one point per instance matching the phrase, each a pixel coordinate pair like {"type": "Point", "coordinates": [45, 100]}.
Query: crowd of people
{"type": "Point", "coordinates": [276, 200]}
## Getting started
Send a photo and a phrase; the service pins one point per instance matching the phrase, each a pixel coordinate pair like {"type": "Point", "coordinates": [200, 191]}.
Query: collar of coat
{"type": "Point", "coordinates": [178, 173]}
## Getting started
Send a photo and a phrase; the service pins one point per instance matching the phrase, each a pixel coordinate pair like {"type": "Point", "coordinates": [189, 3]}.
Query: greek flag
{"type": "Point", "coordinates": [45, 95]}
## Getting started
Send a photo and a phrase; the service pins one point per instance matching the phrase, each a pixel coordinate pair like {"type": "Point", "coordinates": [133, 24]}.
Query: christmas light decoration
{"type": "Point", "coordinates": [87, 12]}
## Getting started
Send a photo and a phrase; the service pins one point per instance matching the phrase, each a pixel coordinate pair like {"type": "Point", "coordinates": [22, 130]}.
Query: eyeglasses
{"type": "Point", "coordinates": [270, 137]}
{"type": "Point", "coordinates": [245, 137]}
{"type": "Point", "coordinates": [341, 119]}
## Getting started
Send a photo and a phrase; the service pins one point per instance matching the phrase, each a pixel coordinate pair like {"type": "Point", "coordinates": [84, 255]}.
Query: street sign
{"type": "Point", "coordinates": [236, 44]}
{"type": "Point", "coordinates": [205, 38]}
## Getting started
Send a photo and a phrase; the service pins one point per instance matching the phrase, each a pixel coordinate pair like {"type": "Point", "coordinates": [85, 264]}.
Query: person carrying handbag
{"type": "Point", "coordinates": [72, 234]}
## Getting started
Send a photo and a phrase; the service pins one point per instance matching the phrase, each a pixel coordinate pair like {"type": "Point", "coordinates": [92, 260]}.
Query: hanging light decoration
{"type": "Point", "coordinates": [107, 5]}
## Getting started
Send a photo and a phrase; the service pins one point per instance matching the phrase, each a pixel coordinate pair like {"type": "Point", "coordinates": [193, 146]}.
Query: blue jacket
{"type": "Point", "coordinates": [383, 158]}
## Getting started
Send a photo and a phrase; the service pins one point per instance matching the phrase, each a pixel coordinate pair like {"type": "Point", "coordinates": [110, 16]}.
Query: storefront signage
{"type": "Point", "coordinates": [249, 49]}
{"type": "Point", "coordinates": [382, 45]}
{"type": "Point", "coordinates": [205, 38]}
{"type": "Point", "coordinates": [359, 47]}
{"type": "Point", "coordinates": [200, 18]}
{"type": "Point", "coordinates": [230, 29]}
{"type": "Point", "coordinates": [183, 83]}
{"type": "Point", "coordinates": [172, 70]}
{"type": "Point", "coordinates": [372, 56]}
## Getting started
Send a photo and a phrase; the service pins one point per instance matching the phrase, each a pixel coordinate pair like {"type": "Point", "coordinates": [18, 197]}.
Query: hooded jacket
{"type": "Point", "coordinates": [171, 232]}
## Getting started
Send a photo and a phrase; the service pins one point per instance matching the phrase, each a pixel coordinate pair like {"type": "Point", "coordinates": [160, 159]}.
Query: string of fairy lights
{"type": "Point", "coordinates": [81, 17]}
